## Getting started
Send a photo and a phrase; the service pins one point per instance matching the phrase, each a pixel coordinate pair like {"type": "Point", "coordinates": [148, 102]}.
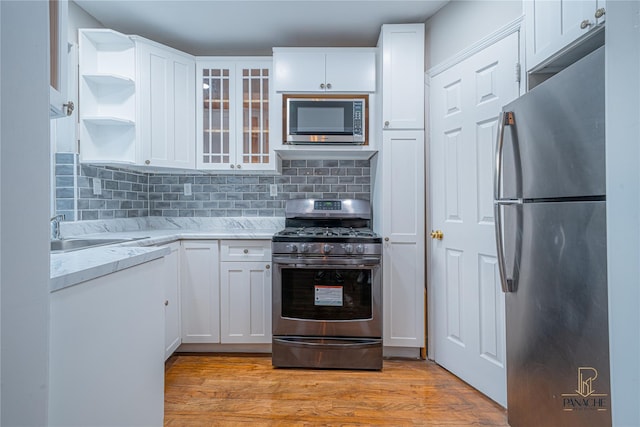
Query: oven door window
{"type": "Point", "coordinates": [326, 294]}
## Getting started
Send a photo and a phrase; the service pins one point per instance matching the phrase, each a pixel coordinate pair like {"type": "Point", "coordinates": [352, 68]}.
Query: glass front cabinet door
{"type": "Point", "coordinates": [233, 114]}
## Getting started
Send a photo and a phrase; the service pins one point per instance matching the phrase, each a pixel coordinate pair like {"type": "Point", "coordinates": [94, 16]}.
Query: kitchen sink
{"type": "Point", "coordinates": [68, 245]}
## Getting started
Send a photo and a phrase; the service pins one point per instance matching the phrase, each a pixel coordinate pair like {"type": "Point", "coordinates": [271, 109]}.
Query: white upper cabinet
{"type": "Point", "coordinates": [166, 110]}
{"type": "Point", "coordinates": [553, 25]}
{"type": "Point", "coordinates": [107, 97]}
{"type": "Point", "coordinates": [232, 114]}
{"type": "Point", "coordinates": [58, 97]}
{"type": "Point", "coordinates": [137, 104]}
{"type": "Point", "coordinates": [402, 64]}
{"type": "Point", "coordinates": [324, 69]}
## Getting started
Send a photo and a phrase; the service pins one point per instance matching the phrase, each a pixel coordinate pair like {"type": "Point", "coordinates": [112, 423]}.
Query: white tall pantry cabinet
{"type": "Point", "coordinates": [399, 188]}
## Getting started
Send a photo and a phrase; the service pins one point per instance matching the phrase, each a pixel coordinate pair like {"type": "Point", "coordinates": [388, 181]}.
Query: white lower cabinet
{"type": "Point", "coordinates": [245, 291]}
{"type": "Point", "coordinates": [200, 291]}
{"type": "Point", "coordinates": [171, 279]}
{"type": "Point", "coordinates": [106, 365]}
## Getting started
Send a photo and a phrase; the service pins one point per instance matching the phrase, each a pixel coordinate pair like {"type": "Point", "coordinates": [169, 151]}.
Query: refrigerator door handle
{"type": "Point", "coordinates": [508, 285]}
{"type": "Point", "coordinates": [505, 118]}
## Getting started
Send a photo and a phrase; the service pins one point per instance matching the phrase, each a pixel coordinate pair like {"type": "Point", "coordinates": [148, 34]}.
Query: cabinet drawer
{"type": "Point", "coordinates": [245, 250]}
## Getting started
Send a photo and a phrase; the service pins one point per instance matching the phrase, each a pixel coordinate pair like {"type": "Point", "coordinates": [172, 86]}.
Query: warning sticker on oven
{"type": "Point", "coordinates": [329, 295]}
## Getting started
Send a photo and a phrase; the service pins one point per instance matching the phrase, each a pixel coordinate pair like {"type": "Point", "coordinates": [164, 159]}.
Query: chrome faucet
{"type": "Point", "coordinates": [55, 229]}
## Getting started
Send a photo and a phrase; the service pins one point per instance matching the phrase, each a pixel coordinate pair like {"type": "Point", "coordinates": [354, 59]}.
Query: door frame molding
{"type": "Point", "coordinates": [505, 31]}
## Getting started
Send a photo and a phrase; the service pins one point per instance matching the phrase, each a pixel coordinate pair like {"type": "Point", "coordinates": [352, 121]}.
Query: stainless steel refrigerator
{"type": "Point", "coordinates": [551, 237]}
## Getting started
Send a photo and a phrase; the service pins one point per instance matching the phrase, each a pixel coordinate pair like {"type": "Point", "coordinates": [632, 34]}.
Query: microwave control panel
{"type": "Point", "coordinates": [358, 107]}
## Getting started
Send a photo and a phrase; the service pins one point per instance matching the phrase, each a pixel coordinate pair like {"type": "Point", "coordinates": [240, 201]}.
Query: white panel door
{"type": "Point", "coordinates": [403, 232]}
{"type": "Point", "coordinates": [468, 303]}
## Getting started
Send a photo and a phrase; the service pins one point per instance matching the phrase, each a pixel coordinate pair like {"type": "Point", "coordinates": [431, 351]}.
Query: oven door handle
{"type": "Point", "coordinates": [352, 343]}
{"type": "Point", "coordinates": [324, 262]}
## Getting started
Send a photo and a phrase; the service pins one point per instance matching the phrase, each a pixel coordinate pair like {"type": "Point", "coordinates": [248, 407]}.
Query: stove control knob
{"type": "Point", "coordinates": [292, 248]}
{"type": "Point", "coordinates": [348, 248]}
{"type": "Point", "coordinates": [304, 248]}
{"type": "Point", "coordinates": [327, 248]}
{"type": "Point", "coordinates": [360, 249]}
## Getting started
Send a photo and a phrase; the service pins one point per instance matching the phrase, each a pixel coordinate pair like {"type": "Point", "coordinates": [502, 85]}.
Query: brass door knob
{"type": "Point", "coordinates": [438, 234]}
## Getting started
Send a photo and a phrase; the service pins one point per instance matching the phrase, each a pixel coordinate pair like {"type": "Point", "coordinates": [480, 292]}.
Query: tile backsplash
{"type": "Point", "coordinates": [127, 194]}
{"type": "Point", "coordinates": [124, 194]}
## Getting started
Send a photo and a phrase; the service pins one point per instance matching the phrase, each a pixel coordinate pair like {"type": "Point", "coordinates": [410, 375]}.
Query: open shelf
{"type": "Point", "coordinates": [108, 121]}
{"type": "Point", "coordinates": [106, 39]}
{"type": "Point", "coordinates": [109, 80]}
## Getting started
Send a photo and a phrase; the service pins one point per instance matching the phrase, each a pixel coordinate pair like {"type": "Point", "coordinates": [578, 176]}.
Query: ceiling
{"type": "Point", "coordinates": [253, 27]}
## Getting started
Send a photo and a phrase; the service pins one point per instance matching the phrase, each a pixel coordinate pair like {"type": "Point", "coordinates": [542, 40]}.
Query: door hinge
{"type": "Point", "coordinates": [518, 72]}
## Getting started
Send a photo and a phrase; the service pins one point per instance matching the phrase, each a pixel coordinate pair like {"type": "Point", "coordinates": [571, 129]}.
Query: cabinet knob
{"type": "Point", "coordinates": [69, 106]}
{"type": "Point", "coordinates": [246, 251]}
{"type": "Point", "coordinates": [321, 85]}
{"type": "Point", "coordinates": [267, 266]}
{"type": "Point", "coordinates": [600, 13]}
{"type": "Point", "coordinates": [166, 302]}
{"type": "Point", "coordinates": [386, 239]}
{"type": "Point", "coordinates": [328, 85]}
{"type": "Point", "coordinates": [585, 24]}
{"type": "Point", "coordinates": [232, 166]}
{"type": "Point", "coordinates": [239, 166]}
{"type": "Point", "coordinates": [386, 123]}
{"type": "Point", "coordinates": [147, 162]}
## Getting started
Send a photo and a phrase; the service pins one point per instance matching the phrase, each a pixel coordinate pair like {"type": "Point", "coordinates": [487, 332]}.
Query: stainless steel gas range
{"type": "Point", "coordinates": [327, 287]}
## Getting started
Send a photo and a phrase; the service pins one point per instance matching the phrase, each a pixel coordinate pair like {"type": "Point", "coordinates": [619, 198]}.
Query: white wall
{"type": "Point", "coordinates": [78, 18]}
{"type": "Point", "coordinates": [24, 187]}
{"type": "Point", "coordinates": [461, 23]}
{"type": "Point", "coordinates": [623, 207]}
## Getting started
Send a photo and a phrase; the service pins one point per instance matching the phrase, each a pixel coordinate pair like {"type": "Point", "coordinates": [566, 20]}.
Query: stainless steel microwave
{"type": "Point", "coordinates": [326, 119]}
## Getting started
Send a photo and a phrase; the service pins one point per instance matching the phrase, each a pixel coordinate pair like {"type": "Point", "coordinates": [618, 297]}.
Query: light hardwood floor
{"type": "Point", "coordinates": [232, 390]}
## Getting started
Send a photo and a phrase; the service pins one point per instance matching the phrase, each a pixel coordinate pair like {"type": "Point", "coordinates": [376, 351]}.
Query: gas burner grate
{"type": "Point", "coordinates": [327, 232]}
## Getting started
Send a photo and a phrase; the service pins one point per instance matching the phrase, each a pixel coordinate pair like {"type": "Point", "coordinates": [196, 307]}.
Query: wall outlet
{"type": "Point", "coordinates": [97, 186]}
{"type": "Point", "coordinates": [187, 189]}
{"type": "Point", "coordinates": [273, 190]}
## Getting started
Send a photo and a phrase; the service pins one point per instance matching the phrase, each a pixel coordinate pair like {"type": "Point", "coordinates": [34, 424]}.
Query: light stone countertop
{"type": "Point", "coordinates": [71, 268]}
